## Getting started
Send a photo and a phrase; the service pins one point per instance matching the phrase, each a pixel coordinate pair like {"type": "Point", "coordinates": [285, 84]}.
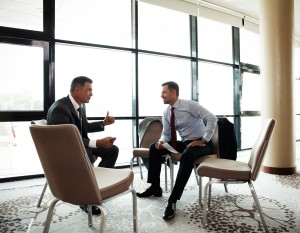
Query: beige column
{"type": "Point", "coordinates": [276, 22]}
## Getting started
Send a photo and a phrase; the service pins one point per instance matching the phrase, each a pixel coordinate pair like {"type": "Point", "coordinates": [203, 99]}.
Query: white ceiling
{"type": "Point", "coordinates": [29, 12]}
{"type": "Point", "coordinates": [251, 8]}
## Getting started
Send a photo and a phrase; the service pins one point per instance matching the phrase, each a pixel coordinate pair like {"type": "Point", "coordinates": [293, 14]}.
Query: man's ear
{"type": "Point", "coordinates": [77, 88]}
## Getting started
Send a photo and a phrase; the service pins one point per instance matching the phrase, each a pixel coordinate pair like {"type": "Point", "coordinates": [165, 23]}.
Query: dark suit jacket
{"type": "Point", "coordinates": [63, 112]}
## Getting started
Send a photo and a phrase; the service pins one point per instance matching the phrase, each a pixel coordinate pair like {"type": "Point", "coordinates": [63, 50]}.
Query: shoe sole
{"type": "Point", "coordinates": [157, 195]}
{"type": "Point", "coordinates": [170, 217]}
{"type": "Point", "coordinates": [154, 195]}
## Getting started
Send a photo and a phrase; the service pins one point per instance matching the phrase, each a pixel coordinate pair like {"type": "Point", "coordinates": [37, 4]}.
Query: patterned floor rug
{"type": "Point", "coordinates": [230, 212]}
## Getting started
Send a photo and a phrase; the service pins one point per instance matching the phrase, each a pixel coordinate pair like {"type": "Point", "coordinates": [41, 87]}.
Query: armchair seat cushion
{"type": "Point", "coordinates": [112, 181]}
{"type": "Point", "coordinates": [224, 169]}
{"type": "Point", "coordinates": [200, 160]}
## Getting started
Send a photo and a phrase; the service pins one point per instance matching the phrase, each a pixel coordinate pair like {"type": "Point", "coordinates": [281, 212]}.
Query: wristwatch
{"type": "Point", "coordinates": [203, 141]}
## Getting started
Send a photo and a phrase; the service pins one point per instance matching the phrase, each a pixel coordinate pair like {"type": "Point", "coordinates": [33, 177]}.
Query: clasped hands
{"type": "Point", "coordinates": [106, 142]}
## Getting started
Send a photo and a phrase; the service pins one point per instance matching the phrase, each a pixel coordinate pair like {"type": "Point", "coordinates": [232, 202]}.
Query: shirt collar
{"type": "Point", "coordinates": [176, 104]}
{"type": "Point", "coordinates": [76, 106]}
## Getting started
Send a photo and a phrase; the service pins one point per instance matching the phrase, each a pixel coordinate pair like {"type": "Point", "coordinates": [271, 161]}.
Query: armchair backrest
{"type": "Point", "coordinates": [150, 130]}
{"type": "Point", "coordinates": [260, 146]}
{"type": "Point", "coordinates": [65, 163]}
{"type": "Point", "coordinates": [215, 142]}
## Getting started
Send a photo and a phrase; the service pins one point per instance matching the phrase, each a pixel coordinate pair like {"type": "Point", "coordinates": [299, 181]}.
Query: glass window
{"type": "Point", "coordinates": [21, 65]}
{"type": "Point", "coordinates": [110, 70]}
{"type": "Point", "coordinates": [18, 153]}
{"type": "Point", "coordinates": [94, 21]}
{"type": "Point", "coordinates": [25, 14]}
{"type": "Point", "coordinates": [249, 101]}
{"type": "Point", "coordinates": [122, 130]}
{"type": "Point", "coordinates": [250, 127]}
{"type": "Point", "coordinates": [163, 30]}
{"type": "Point", "coordinates": [249, 47]}
{"type": "Point", "coordinates": [154, 71]}
{"type": "Point", "coordinates": [214, 40]}
{"type": "Point", "coordinates": [216, 88]}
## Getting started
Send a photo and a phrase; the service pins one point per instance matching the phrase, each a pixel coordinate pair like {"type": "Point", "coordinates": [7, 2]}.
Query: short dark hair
{"type": "Point", "coordinates": [79, 81]}
{"type": "Point", "coordinates": [172, 86]}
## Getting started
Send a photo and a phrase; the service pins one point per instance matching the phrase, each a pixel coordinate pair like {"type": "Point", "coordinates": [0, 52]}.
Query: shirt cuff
{"type": "Point", "coordinates": [92, 144]}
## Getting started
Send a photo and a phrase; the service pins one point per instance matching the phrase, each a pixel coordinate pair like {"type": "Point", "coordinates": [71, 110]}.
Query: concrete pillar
{"type": "Point", "coordinates": [277, 38]}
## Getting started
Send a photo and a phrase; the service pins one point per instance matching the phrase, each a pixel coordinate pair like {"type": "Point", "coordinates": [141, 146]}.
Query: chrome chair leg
{"type": "Point", "coordinates": [42, 194]}
{"type": "Point", "coordinates": [171, 165]}
{"type": "Point", "coordinates": [140, 165]}
{"type": "Point", "coordinates": [50, 215]}
{"type": "Point", "coordinates": [209, 192]}
{"type": "Point", "coordinates": [205, 206]}
{"type": "Point", "coordinates": [166, 176]}
{"type": "Point", "coordinates": [90, 219]}
{"type": "Point", "coordinates": [258, 205]}
{"type": "Point", "coordinates": [134, 212]}
{"type": "Point", "coordinates": [103, 217]}
{"type": "Point", "coordinates": [199, 178]}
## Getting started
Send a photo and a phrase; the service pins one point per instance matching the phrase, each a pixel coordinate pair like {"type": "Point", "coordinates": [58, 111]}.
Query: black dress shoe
{"type": "Point", "coordinates": [156, 192]}
{"type": "Point", "coordinates": [169, 212]}
{"type": "Point", "coordinates": [95, 209]}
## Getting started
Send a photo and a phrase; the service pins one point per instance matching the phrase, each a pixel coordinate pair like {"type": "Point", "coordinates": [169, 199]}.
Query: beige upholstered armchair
{"type": "Point", "coordinates": [44, 122]}
{"type": "Point", "coordinates": [226, 171]}
{"type": "Point", "coordinates": [72, 178]}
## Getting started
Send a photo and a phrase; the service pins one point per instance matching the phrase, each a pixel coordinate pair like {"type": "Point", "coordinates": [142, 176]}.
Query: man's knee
{"type": "Point", "coordinates": [115, 149]}
{"type": "Point", "coordinates": [187, 157]}
{"type": "Point", "coordinates": [152, 147]}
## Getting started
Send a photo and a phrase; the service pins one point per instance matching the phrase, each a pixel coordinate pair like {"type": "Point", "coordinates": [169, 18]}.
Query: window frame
{"type": "Point", "coordinates": [30, 115]}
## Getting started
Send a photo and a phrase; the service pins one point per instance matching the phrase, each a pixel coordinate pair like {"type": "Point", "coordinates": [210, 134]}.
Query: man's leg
{"type": "Point", "coordinates": [146, 161]}
{"type": "Point", "coordinates": [154, 166]}
{"type": "Point", "coordinates": [108, 156]}
{"type": "Point", "coordinates": [186, 166]}
{"type": "Point", "coordinates": [154, 169]}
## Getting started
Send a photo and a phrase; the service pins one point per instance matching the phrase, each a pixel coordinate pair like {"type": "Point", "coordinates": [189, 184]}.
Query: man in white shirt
{"type": "Point", "coordinates": [196, 126]}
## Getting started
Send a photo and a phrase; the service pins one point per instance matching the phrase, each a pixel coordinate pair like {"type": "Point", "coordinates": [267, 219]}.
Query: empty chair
{"type": "Point", "coordinates": [216, 154]}
{"type": "Point", "coordinates": [72, 178]}
{"type": "Point", "coordinates": [150, 130]}
{"type": "Point", "coordinates": [236, 172]}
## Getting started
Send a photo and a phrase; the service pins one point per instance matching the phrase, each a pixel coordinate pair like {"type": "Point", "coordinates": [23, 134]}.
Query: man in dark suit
{"type": "Point", "coordinates": [71, 110]}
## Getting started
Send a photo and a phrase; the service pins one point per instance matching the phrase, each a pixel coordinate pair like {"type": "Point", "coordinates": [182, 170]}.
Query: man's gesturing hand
{"type": "Point", "coordinates": [108, 119]}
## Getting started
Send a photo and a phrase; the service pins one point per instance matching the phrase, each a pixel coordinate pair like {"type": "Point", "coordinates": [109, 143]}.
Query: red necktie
{"type": "Point", "coordinates": [173, 131]}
